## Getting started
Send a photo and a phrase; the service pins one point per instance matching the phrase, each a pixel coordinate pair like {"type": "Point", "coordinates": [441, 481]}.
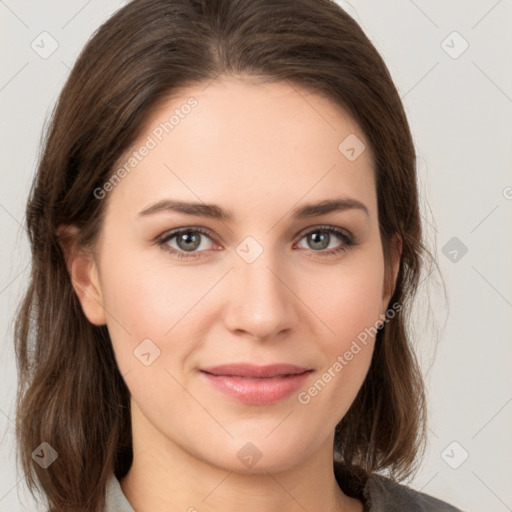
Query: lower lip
{"type": "Point", "coordinates": [257, 391]}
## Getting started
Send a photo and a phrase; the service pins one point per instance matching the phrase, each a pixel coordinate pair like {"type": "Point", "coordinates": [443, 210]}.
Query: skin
{"type": "Point", "coordinates": [258, 150]}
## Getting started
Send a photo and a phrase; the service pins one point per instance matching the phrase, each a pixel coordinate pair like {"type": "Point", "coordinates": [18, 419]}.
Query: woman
{"type": "Point", "coordinates": [266, 366]}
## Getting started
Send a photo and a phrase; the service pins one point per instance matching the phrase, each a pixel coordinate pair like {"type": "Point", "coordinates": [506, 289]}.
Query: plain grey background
{"type": "Point", "coordinates": [452, 63]}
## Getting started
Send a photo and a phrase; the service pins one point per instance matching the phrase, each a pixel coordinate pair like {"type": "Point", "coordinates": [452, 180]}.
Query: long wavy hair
{"type": "Point", "coordinates": [70, 393]}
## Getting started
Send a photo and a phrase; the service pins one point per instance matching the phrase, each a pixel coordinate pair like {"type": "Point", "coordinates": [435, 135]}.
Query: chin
{"type": "Point", "coordinates": [258, 455]}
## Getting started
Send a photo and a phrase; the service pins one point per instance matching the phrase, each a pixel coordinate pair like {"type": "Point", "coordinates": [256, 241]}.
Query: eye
{"type": "Point", "coordinates": [321, 238]}
{"type": "Point", "coordinates": [186, 243]}
{"type": "Point", "coordinates": [187, 240]}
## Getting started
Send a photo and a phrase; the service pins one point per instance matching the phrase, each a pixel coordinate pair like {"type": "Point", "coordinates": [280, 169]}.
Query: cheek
{"type": "Point", "coordinates": [350, 306]}
{"type": "Point", "coordinates": [139, 287]}
{"type": "Point", "coordinates": [147, 300]}
{"type": "Point", "coordinates": [347, 300]}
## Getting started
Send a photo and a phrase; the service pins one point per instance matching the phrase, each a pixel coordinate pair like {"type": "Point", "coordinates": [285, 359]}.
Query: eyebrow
{"type": "Point", "coordinates": [216, 212]}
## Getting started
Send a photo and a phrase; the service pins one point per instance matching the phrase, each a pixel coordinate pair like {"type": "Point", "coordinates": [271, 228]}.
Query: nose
{"type": "Point", "coordinates": [261, 302]}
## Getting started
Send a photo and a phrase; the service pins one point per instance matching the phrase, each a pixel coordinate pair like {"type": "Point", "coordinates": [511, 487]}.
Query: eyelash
{"type": "Point", "coordinates": [348, 241]}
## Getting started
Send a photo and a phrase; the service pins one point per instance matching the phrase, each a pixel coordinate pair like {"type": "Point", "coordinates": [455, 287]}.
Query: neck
{"type": "Point", "coordinates": [177, 480]}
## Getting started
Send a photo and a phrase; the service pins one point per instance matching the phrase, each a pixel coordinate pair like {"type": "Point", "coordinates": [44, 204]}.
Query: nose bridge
{"type": "Point", "coordinates": [260, 303]}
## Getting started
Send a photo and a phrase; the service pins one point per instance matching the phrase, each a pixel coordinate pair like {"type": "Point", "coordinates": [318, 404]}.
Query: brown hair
{"type": "Point", "coordinates": [71, 393]}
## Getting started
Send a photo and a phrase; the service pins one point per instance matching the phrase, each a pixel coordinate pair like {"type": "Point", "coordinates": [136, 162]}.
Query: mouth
{"type": "Point", "coordinates": [257, 385]}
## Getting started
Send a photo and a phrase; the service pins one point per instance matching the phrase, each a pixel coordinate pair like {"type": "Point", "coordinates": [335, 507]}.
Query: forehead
{"type": "Point", "coordinates": [248, 145]}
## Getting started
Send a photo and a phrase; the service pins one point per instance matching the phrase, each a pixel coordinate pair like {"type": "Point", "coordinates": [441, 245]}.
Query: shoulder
{"type": "Point", "coordinates": [380, 494]}
{"type": "Point", "coordinates": [384, 495]}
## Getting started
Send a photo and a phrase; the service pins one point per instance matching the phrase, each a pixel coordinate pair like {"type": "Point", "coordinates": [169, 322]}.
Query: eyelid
{"type": "Point", "coordinates": [346, 236]}
{"type": "Point", "coordinates": [170, 234]}
{"type": "Point", "coordinates": [208, 232]}
{"type": "Point", "coordinates": [327, 227]}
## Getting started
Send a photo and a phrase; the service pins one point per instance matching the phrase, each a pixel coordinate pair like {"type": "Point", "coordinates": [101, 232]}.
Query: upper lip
{"type": "Point", "coordinates": [250, 370]}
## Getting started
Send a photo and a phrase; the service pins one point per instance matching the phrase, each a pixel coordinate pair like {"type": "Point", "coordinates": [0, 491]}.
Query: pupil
{"type": "Point", "coordinates": [191, 242]}
{"type": "Point", "coordinates": [187, 238]}
{"type": "Point", "coordinates": [319, 240]}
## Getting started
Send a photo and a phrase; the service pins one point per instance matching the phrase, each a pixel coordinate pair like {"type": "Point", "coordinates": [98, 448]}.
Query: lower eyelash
{"type": "Point", "coordinates": [162, 242]}
{"type": "Point", "coordinates": [348, 241]}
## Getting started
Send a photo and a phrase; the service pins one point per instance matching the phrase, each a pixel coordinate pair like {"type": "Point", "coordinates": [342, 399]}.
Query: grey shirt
{"type": "Point", "coordinates": [380, 494]}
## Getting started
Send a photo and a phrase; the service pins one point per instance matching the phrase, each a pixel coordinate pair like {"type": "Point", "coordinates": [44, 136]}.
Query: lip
{"type": "Point", "coordinates": [257, 385]}
{"type": "Point", "coordinates": [254, 371]}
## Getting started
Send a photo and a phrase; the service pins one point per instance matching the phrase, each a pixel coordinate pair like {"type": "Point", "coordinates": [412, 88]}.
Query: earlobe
{"type": "Point", "coordinates": [83, 272]}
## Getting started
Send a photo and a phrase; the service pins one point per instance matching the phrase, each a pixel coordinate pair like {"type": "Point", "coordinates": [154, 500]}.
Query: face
{"type": "Point", "coordinates": [269, 282]}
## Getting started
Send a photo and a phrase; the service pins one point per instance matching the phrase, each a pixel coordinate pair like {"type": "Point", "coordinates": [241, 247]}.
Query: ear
{"type": "Point", "coordinates": [83, 271]}
{"type": "Point", "coordinates": [390, 282]}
